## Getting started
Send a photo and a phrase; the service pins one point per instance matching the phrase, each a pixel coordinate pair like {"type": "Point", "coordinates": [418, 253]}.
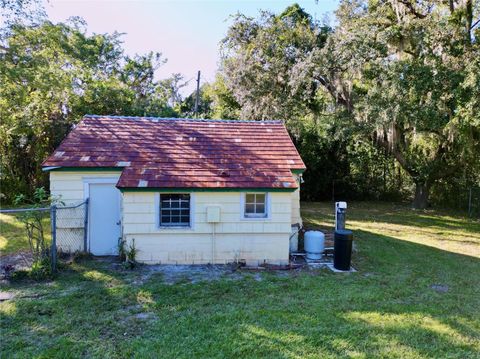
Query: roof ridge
{"type": "Point", "coordinates": [180, 119]}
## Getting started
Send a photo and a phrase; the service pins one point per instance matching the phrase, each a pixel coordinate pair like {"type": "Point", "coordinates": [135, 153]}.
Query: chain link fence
{"type": "Point", "coordinates": [53, 230]}
{"type": "Point", "coordinates": [70, 225]}
{"type": "Point", "coordinates": [27, 234]}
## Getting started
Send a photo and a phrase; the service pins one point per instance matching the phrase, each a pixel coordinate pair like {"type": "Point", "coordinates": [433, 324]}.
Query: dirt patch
{"type": "Point", "coordinates": [14, 262]}
{"type": "Point", "coordinates": [440, 288]}
{"type": "Point", "coordinates": [6, 296]}
{"type": "Point", "coordinates": [173, 274]}
{"type": "Point", "coordinates": [191, 274]}
{"type": "Point", "coordinates": [145, 316]}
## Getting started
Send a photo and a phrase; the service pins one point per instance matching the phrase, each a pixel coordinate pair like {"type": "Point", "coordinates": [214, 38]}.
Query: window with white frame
{"type": "Point", "coordinates": [255, 205]}
{"type": "Point", "coordinates": [174, 210]}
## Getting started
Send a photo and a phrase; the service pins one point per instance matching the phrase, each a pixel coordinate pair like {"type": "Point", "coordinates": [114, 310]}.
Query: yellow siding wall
{"type": "Point", "coordinates": [235, 238]}
{"type": "Point", "coordinates": [68, 187]}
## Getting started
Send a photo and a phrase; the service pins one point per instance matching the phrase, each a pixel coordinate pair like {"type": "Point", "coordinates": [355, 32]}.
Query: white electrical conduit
{"type": "Point", "coordinates": [213, 243]}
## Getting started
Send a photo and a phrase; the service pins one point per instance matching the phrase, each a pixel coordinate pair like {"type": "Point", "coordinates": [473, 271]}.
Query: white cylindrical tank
{"type": "Point", "coordinates": [314, 244]}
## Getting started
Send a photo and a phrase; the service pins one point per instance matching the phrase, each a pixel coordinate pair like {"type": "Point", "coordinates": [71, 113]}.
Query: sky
{"type": "Point", "coordinates": [186, 32]}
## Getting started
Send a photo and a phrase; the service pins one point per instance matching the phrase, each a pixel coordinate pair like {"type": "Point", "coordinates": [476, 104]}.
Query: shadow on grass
{"type": "Point", "coordinates": [388, 309]}
{"type": "Point", "coordinates": [392, 214]}
{"type": "Point", "coordinates": [392, 310]}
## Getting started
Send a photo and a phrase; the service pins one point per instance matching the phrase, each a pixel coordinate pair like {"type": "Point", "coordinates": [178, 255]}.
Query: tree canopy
{"type": "Point", "coordinates": [383, 102]}
{"type": "Point", "coordinates": [53, 74]}
{"type": "Point", "coordinates": [402, 75]}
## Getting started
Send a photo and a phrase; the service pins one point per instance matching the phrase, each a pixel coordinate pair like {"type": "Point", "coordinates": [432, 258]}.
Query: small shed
{"type": "Point", "coordinates": [188, 191]}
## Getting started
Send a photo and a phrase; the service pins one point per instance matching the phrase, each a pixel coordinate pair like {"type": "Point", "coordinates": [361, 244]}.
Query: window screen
{"type": "Point", "coordinates": [175, 210]}
{"type": "Point", "coordinates": [255, 205]}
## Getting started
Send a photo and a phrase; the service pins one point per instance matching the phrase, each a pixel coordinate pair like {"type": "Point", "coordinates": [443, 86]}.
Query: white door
{"type": "Point", "coordinates": [104, 219]}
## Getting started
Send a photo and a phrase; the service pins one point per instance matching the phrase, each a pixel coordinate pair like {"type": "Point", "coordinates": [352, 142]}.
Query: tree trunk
{"type": "Point", "coordinates": [422, 190]}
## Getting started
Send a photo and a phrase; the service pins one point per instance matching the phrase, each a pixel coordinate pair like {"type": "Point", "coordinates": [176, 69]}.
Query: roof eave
{"type": "Point", "coordinates": [81, 169]}
{"type": "Point", "coordinates": [205, 189]}
{"type": "Point", "coordinates": [50, 168]}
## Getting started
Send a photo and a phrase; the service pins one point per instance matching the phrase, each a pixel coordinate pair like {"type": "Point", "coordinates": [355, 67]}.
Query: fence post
{"type": "Point", "coordinates": [53, 221]}
{"type": "Point", "coordinates": [85, 227]}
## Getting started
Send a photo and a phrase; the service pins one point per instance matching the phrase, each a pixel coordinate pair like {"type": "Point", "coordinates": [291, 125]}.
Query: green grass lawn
{"type": "Point", "coordinates": [416, 295]}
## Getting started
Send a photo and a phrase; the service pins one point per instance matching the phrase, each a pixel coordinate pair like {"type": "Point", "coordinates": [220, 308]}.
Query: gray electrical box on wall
{"type": "Point", "coordinates": [213, 214]}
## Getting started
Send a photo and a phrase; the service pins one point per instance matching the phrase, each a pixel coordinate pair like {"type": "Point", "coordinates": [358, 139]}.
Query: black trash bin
{"type": "Point", "coordinates": [342, 249]}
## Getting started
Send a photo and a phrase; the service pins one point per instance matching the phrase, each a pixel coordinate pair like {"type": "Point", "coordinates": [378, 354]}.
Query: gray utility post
{"type": "Point", "coordinates": [196, 97]}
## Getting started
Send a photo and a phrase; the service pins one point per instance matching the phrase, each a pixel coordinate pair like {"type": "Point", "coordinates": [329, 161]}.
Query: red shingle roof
{"type": "Point", "coordinates": [183, 153]}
